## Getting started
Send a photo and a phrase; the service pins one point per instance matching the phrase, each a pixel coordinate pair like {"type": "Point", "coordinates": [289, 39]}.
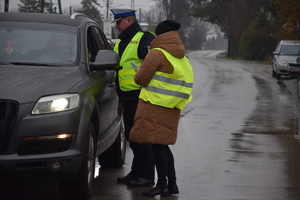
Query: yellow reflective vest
{"type": "Point", "coordinates": [170, 90]}
{"type": "Point", "coordinates": [130, 54]}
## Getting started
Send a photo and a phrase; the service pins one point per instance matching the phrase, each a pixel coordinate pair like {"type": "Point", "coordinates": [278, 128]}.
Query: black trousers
{"type": "Point", "coordinates": [143, 157]}
{"type": "Point", "coordinates": [164, 162]}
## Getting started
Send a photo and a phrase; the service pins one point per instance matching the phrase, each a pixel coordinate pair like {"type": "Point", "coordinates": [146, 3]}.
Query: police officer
{"type": "Point", "coordinates": [132, 46]}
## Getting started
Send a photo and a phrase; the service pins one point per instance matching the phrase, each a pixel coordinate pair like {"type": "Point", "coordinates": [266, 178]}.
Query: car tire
{"type": "Point", "coordinates": [114, 156]}
{"type": "Point", "coordinates": [277, 76]}
{"type": "Point", "coordinates": [81, 188]}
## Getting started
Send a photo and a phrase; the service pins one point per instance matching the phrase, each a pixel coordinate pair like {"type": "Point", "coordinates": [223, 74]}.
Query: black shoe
{"type": "Point", "coordinates": [140, 182]}
{"type": "Point", "coordinates": [161, 190]}
{"type": "Point", "coordinates": [126, 179]}
{"type": "Point", "coordinates": [173, 189]}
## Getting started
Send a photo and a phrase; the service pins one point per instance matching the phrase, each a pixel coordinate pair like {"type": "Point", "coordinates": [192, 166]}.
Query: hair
{"type": "Point", "coordinates": [133, 18]}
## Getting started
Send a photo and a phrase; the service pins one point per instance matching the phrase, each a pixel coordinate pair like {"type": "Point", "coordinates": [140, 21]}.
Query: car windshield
{"type": "Point", "coordinates": [292, 50]}
{"type": "Point", "coordinates": [37, 43]}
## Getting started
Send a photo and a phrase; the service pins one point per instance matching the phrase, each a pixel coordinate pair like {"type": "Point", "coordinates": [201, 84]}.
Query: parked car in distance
{"type": "Point", "coordinates": [58, 107]}
{"type": "Point", "coordinates": [285, 59]}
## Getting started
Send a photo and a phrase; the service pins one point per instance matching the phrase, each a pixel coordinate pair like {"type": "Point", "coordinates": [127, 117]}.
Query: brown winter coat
{"type": "Point", "coordinates": [156, 124]}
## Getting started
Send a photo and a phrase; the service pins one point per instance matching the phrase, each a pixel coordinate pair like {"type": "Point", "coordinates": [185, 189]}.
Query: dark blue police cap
{"type": "Point", "coordinates": [122, 12]}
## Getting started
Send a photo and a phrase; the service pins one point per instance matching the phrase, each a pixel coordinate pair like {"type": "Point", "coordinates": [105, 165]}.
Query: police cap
{"type": "Point", "coordinates": [119, 13]}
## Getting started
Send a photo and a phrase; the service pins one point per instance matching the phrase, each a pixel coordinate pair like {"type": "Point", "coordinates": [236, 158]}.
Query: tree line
{"type": "Point", "coordinates": [253, 27]}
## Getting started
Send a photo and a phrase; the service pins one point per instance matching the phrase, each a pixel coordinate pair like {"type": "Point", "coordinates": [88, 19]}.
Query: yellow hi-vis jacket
{"type": "Point", "coordinates": [171, 90]}
{"type": "Point", "coordinates": [130, 54]}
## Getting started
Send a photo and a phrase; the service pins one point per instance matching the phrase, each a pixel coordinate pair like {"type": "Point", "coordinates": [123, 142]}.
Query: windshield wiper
{"type": "Point", "coordinates": [34, 64]}
{"type": "Point", "coordinates": [5, 63]}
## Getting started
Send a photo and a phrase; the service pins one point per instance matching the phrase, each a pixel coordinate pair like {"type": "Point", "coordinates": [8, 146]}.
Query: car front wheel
{"type": "Point", "coordinates": [114, 156]}
{"type": "Point", "coordinates": [81, 188]}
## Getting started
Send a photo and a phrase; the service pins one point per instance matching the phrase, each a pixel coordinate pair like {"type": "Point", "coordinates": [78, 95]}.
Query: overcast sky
{"type": "Point", "coordinates": [143, 4]}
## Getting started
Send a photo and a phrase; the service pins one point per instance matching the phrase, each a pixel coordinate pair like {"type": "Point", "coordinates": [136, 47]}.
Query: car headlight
{"type": "Point", "coordinates": [283, 63]}
{"type": "Point", "coordinates": [56, 103]}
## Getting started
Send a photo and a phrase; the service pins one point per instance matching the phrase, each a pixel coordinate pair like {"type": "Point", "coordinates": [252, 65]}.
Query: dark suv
{"type": "Point", "coordinates": [58, 107]}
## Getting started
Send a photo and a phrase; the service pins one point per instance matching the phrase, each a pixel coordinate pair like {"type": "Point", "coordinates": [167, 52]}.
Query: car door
{"type": "Point", "coordinates": [108, 99]}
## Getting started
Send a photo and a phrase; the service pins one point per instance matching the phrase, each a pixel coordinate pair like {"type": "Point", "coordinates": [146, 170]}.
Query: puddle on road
{"type": "Point", "coordinates": [273, 121]}
{"type": "Point", "coordinates": [275, 112]}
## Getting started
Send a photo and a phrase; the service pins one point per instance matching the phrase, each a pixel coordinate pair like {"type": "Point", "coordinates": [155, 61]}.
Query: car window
{"type": "Point", "coordinates": [38, 43]}
{"type": "Point", "coordinates": [95, 42]}
{"type": "Point", "coordinates": [99, 39]}
{"type": "Point", "coordinates": [91, 45]}
{"type": "Point", "coordinates": [290, 50]}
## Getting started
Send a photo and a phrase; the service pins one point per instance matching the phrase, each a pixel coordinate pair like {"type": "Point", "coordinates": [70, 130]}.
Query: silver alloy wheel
{"type": "Point", "coordinates": [91, 160]}
{"type": "Point", "coordinates": [123, 139]}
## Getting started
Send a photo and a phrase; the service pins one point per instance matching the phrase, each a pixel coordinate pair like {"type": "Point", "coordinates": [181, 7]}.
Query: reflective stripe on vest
{"type": "Point", "coordinates": [170, 90]}
{"type": "Point", "coordinates": [126, 73]}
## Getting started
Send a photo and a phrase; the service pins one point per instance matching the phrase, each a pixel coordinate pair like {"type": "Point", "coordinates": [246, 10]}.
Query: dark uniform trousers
{"type": "Point", "coordinates": [143, 157]}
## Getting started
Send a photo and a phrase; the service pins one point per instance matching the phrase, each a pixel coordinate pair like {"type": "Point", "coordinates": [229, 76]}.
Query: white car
{"type": "Point", "coordinates": [286, 59]}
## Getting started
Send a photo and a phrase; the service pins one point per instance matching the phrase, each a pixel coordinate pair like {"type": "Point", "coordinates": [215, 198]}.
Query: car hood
{"type": "Point", "coordinates": [288, 59]}
{"type": "Point", "coordinates": [28, 83]}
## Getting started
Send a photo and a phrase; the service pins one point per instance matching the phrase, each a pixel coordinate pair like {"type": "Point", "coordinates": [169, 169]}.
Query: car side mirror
{"type": "Point", "coordinates": [105, 60]}
{"type": "Point", "coordinates": [275, 53]}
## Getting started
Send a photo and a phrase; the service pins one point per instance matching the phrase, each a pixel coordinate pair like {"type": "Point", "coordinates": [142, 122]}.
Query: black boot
{"type": "Point", "coordinates": [126, 178]}
{"type": "Point", "coordinates": [161, 189]}
{"type": "Point", "coordinates": [173, 189]}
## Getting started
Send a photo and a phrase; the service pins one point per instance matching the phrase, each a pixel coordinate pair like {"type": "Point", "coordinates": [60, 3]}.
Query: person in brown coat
{"type": "Point", "coordinates": [157, 124]}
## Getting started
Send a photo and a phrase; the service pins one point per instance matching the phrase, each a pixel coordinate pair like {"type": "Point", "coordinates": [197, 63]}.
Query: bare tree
{"type": "Point", "coordinates": [233, 16]}
{"type": "Point", "coordinates": [32, 6]}
{"type": "Point", "coordinates": [177, 10]}
{"type": "Point", "coordinates": [174, 9]}
{"type": "Point", "coordinates": [89, 8]}
{"type": "Point", "coordinates": [197, 34]}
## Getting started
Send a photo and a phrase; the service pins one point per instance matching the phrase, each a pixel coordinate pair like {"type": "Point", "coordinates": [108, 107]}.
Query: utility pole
{"type": "Point", "coordinates": [107, 21]}
{"type": "Point", "coordinates": [140, 14]}
{"type": "Point", "coordinates": [132, 4]}
{"type": "Point", "coordinates": [6, 3]}
{"type": "Point", "coordinates": [42, 6]}
{"type": "Point", "coordinates": [59, 6]}
{"type": "Point", "coordinates": [107, 8]}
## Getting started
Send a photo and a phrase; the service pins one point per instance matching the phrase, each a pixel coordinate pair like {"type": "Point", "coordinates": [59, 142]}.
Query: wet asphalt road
{"type": "Point", "coordinates": [237, 140]}
{"type": "Point", "coordinates": [246, 142]}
